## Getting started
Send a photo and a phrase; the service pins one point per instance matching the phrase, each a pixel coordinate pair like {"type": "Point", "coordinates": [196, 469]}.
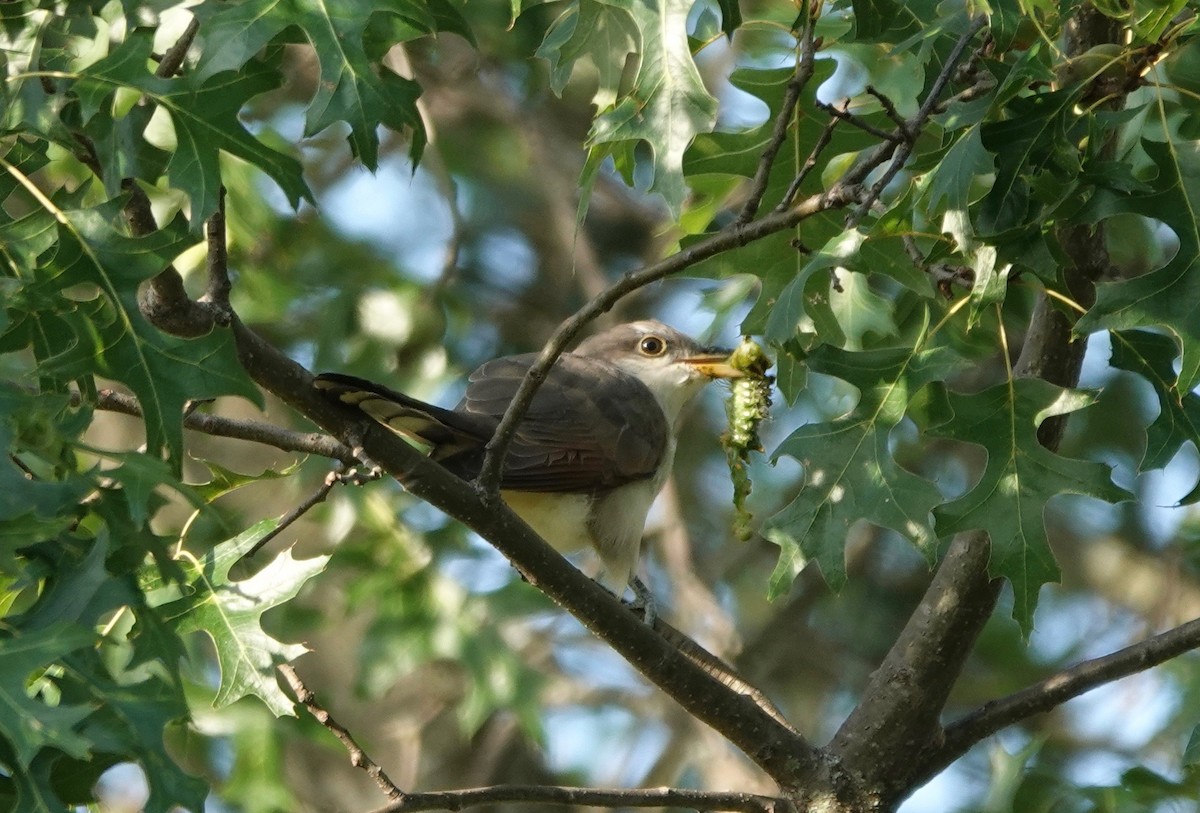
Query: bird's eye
{"type": "Point", "coordinates": [652, 346]}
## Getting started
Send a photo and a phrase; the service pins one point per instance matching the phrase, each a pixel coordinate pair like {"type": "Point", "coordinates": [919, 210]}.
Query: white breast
{"type": "Point", "coordinates": [560, 519]}
{"type": "Point", "coordinates": [611, 523]}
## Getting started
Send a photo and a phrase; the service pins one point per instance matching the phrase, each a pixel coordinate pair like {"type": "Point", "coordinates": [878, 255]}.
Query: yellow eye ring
{"type": "Point", "coordinates": [652, 346]}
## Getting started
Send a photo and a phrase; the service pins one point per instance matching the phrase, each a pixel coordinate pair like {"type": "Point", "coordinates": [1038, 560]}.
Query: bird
{"type": "Point", "coordinates": [593, 450]}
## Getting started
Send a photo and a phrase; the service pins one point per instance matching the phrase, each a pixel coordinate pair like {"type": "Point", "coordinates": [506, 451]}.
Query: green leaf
{"type": "Point", "coordinates": [596, 34]}
{"type": "Point", "coordinates": [29, 723]}
{"type": "Point", "coordinates": [78, 591]}
{"type": "Point", "coordinates": [230, 612]}
{"type": "Point", "coordinates": [1191, 752]}
{"type": "Point", "coordinates": [1168, 295]}
{"type": "Point", "coordinates": [955, 174]}
{"type": "Point", "coordinates": [731, 16]}
{"type": "Point", "coordinates": [354, 87]}
{"type": "Point", "coordinates": [990, 279]}
{"type": "Point", "coordinates": [843, 317]}
{"type": "Point", "coordinates": [1029, 141]}
{"type": "Point", "coordinates": [1152, 356]}
{"type": "Point", "coordinates": [667, 105]}
{"type": "Point", "coordinates": [130, 720]}
{"type": "Point", "coordinates": [738, 153]}
{"type": "Point", "coordinates": [1021, 476]}
{"type": "Point", "coordinates": [32, 509]}
{"type": "Point", "coordinates": [204, 113]}
{"type": "Point", "coordinates": [226, 480]}
{"type": "Point", "coordinates": [34, 786]}
{"type": "Point", "coordinates": [874, 17]}
{"type": "Point", "coordinates": [849, 470]}
{"type": "Point", "coordinates": [113, 339]}
{"type": "Point", "coordinates": [859, 310]}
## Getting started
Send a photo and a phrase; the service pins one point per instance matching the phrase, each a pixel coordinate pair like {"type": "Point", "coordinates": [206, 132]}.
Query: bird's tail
{"type": "Point", "coordinates": [444, 430]}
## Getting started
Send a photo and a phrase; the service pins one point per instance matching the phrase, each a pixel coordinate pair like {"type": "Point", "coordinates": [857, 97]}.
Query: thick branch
{"type": "Point", "coordinates": [552, 795]}
{"type": "Point", "coordinates": [898, 715]}
{"type": "Point", "coordinates": [163, 300]}
{"type": "Point", "coordinates": [217, 262]}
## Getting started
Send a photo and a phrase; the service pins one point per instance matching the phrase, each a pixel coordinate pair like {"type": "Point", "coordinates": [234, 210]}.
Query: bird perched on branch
{"type": "Point", "coordinates": [592, 451]}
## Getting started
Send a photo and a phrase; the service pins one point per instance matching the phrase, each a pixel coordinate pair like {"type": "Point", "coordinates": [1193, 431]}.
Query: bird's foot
{"type": "Point", "coordinates": [643, 601]}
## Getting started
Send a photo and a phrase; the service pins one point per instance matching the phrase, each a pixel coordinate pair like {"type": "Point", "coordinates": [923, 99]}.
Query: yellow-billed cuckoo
{"type": "Point", "coordinates": [594, 448]}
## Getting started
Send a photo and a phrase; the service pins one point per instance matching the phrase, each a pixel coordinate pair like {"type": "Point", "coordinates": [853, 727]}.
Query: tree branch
{"type": "Point", "coordinates": [809, 165]}
{"type": "Point", "coordinates": [842, 114]}
{"type": "Point", "coordinates": [898, 715]}
{"type": "Point", "coordinates": [912, 127]}
{"type": "Point", "coordinates": [1059, 688]}
{"type": "Point", "coordinates": [172, 60]}
{"type": "Point", "coordinates": [265, 433]}
{"type": "Point", "coordinates": [783, 122]}
{"type": "Point", "coordinates": [332, 479]}
{"type": "Point", "coordinates": [558, 795]}
{"type": "Point", "coordinates": [358, 757]}
{"type": "Point", "coordinates": [217, 262]}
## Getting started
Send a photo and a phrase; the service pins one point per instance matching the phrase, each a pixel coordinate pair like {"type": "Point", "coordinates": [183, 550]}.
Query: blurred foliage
{"type": "Point", "coordinates": [524, 156]}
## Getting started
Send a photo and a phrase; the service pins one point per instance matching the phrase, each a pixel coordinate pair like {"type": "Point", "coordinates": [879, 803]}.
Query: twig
{"type": "Point", "coordinates": [1058, 688]}
{"type": "Point", "coordinates": [559, 795]}
{"type": "Point", "coordinates": [358, 757]}
{"type": "Point", "coordinates": [914, 125]}
{"type": "Point", "coordinates": [845, 115]}
{"type": "Point", "coordinates": [945, 275]}
{"type": "Point", "coordinates": [172, 60]}
{"type": "Point", "coordinates": [783, 122]}
{"type": "Point", "coordinates": [888, 108]}
{"type": "Point", "coordinates": [332, 479]}
{"type": "Point", "coordinates": [268, 434]}
{"type": "Point", "coordinates": [219, 286]}
{"type": "Point", "coordinates": [810, 164]}
{"type": "Point", "coordinates": [733, 236]}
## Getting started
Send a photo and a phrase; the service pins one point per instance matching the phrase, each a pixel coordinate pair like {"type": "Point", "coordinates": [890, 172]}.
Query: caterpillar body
{"type": "Point", "coordinates": [748, 406]}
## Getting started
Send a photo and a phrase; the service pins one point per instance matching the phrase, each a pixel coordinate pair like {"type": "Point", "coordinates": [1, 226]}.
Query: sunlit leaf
{"type": "Point", "coordinates": [850, 472]}
{"type": "Point", "coordinates": [230, 612]}
{"type": "Point", "coordinates": [668, 104]}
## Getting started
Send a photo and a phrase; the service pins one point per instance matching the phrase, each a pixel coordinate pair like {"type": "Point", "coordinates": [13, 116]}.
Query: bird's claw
{"type": "Point", "coordinates": [643, 601]}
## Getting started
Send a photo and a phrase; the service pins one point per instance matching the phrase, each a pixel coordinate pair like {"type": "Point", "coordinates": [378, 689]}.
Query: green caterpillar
{"type": "Point", "coordinates": [748, 406]}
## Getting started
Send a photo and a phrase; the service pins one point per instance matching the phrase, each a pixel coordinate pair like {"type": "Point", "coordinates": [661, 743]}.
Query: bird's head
{"type": "Point", "coordinates": [672, 366]}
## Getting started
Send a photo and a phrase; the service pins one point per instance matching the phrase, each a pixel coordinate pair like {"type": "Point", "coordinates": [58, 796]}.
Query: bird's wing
{"type": "Point", "coordinates": [590, 427]}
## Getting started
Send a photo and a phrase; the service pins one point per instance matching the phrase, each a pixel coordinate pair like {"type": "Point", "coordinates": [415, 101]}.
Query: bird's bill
{"type": "Point", "coordinates": [714, 365]}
